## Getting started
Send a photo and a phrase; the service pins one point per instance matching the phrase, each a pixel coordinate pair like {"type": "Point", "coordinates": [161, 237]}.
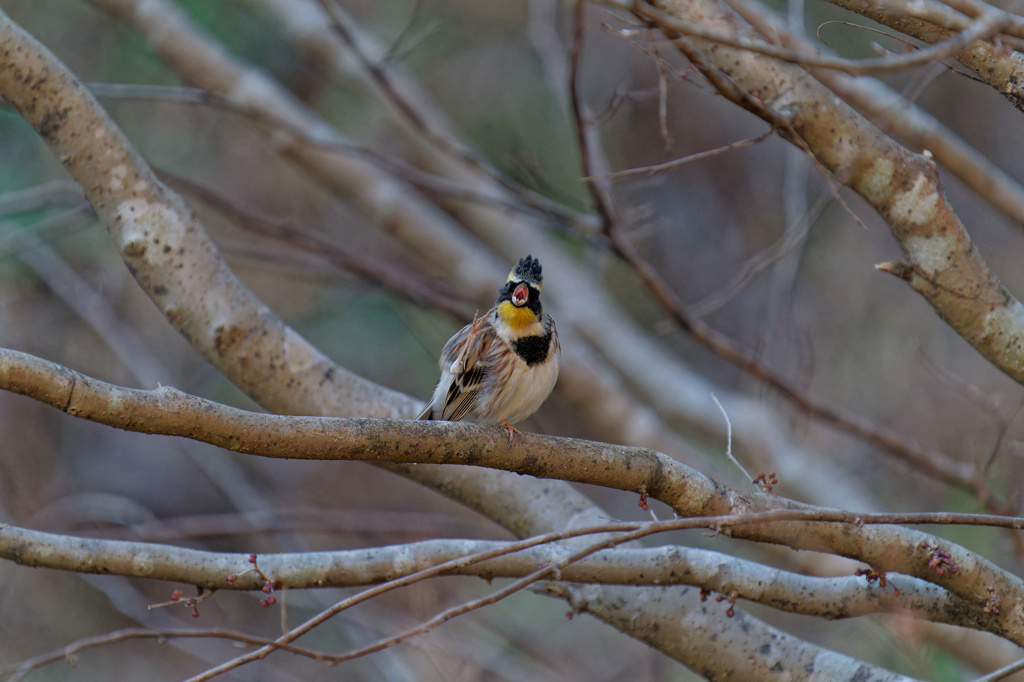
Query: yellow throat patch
{"type": "Point", "coordinates": [517, 318]}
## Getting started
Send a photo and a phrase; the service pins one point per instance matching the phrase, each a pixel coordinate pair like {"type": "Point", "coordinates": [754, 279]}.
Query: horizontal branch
{"type": "Point", "coordinates": [170, 412]}
{"type": "Point", "coordinates": [832, 598]}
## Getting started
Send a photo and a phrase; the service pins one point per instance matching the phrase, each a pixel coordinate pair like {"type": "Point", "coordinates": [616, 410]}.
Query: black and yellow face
{"type": "Point", "coordinates": [519, 300]}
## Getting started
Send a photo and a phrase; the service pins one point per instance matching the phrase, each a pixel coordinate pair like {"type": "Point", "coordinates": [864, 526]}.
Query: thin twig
{"type": "Point", "coordinates": [690, 158]}
{"type": "Point", "coordinates": [391, 54]}
{"type": "Point", "coordinates": [762, 260]}
{"type": "Point", "coordinates": [398, 280]}
{"type": "Point", "coordinates": [728, 442]}
{"type": "Point", "coordinates": [1002, 673]}
{"type": "Point", "coordinates": [662, 94]}
{"type": "Point", "coordinates": [628, 533]}
{"type": "Point", "coordinates": [378, 72]}
{"type": "Point", "coordinates": [39, 196]}
{"type": "Point", "coordinates": [423, 180]}
{"type": "Point", "coordinates": [21, 670]}
{"type": "Point", "coordinates": [985, 26]}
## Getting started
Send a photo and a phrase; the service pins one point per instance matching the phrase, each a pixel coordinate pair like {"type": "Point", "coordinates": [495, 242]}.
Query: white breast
{"type": "Point", "coordinates": [527, 389]}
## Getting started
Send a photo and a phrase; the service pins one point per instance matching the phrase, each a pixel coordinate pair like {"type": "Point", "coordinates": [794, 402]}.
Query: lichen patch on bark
{"type": "Point", "coordinates": [144, 223]}
{"type": "Point", "coordinates": [875, 183]}
{"type": "Point", "coordinates": [919, 205]}
{"type": "Point", "coordinates": [1005, 328]}
{"type": "Point", "coordinates": [142, 564]}
{"type": "Point", "coordinates": [932, 253]}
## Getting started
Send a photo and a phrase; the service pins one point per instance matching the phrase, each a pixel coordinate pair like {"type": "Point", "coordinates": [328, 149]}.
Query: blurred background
{"type": "Point", "coordinates": [820, 315]}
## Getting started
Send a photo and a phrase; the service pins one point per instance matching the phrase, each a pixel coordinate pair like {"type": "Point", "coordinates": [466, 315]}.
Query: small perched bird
{"type": "Point", "coordinates": [502, 367]}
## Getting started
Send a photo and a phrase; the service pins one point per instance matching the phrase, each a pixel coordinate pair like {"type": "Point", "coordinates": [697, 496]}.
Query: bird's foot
{"type": "Point", "coordinates": [512, 431]}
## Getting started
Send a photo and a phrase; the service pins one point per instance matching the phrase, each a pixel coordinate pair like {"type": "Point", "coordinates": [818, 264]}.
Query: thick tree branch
{"type": "Point", "coordinates": [986, 26]}
{"type": "Point", "coordinates": [699, 636]}
{"type": "Point", "coordinates": [689, 493]}
{"type": "Point", "coordinates": [835, 597]}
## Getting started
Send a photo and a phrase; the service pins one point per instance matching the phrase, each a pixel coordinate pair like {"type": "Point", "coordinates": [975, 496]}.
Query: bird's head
{"type": "Point", "coordinates": [519, 300]}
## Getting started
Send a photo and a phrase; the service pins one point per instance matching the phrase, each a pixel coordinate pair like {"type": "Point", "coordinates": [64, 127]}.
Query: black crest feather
{"type": "Point", "coordinates": [529, 270]}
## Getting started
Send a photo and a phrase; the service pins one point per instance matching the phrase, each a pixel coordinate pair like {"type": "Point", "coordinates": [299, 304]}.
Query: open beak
{"type": "Point", "coordinates": [520, 296]}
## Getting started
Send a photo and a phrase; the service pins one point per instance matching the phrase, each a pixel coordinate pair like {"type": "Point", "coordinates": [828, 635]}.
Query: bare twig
{"type": "Point", "coordinates": [70, 651]}
{"type": "Point", "coordinates": [1001, 674]}
{"type": "Point", "coordinates": [748, 272]}
{"type": "Point", "coordinates": [689, 158]}
{"type": "Point", "coordinates": [362, 265]}
{"type": "Point", "coordinates": [985, 26]}
{"type": "Point", "coordinates": [553, 570]}
{"type": "Point", "coordinates": [728, 443]}
{"type": "Point", "coordinates": [378, 72]}
{"type": "Point", "coordinates": [48, 193]}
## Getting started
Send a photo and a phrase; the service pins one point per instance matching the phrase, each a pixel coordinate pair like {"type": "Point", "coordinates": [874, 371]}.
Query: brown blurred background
{"type": "Point", "coordinates": [822, 316]}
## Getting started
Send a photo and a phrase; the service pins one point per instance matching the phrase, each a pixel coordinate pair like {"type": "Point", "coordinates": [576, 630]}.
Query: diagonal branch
{"type": "Point", "coordinates": [934, 464]}
{"type": "Point", "coordinates": [986, 26]}
{"type": "Point", "coordinates": [992, 62]}
{"type": "Point", "coordinates": [890, 111]}
{"type": "Point", "coordinates": [940, 262]}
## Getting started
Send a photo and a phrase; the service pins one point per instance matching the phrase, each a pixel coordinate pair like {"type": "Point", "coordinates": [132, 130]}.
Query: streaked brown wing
{"type": "Point", "coordinates": [467, 357]}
